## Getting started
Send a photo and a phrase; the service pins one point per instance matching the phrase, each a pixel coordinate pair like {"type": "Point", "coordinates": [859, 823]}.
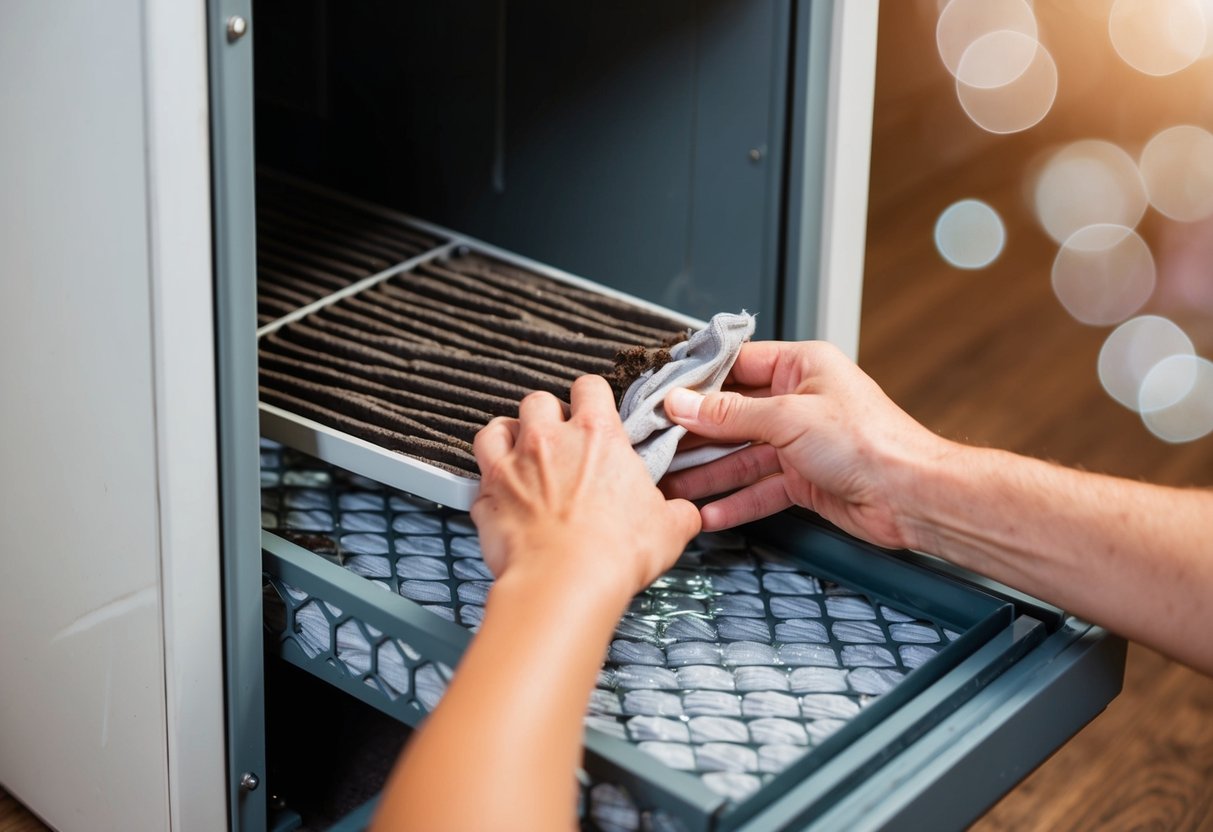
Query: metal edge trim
{"type": "Point", "coordinates": [944, 779]}
{"type": "Point", "coordinates": [368, 459]}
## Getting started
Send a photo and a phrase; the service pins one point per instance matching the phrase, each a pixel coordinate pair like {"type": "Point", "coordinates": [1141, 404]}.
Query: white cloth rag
{"type": "Point", "coordinates": [700, 363]}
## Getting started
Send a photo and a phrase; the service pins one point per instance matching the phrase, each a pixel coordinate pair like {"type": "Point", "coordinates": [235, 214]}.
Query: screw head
{"type": "Point", "coordinates": [755, 154]}
{"type": "Point", "coordinates": [249, 782]}
{"type": "Point", "coordinates": [236, 27]}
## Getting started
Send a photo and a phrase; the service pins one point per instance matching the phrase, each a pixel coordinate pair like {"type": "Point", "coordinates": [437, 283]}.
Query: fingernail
{"type": "Point", "coordinates": [682, 403]}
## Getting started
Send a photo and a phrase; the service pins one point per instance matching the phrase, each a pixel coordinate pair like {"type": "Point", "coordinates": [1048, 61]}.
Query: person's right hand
{"type": "Point", "coordinates": [826, 438]}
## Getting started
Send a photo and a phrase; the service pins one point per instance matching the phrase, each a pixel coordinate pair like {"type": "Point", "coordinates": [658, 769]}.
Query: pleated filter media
{"type": "Point", "coordinates": [416, 355]}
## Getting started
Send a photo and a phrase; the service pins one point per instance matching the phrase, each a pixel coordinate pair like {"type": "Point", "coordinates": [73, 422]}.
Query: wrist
{"type": "Point", "coordinates": [926, 482]}
{"type": "Point", "coordinates": [562, 568]}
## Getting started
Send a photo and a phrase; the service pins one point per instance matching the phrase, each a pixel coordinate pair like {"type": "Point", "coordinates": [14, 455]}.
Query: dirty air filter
{"type": "Point", "coordinates": [391, 373]}
{"type": "Point", "coordinates": [309, 246]}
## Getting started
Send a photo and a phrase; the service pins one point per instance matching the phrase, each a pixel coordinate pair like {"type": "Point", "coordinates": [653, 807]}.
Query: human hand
{"type": "Point", "coordinates": [570, 496]}
{"type": "Point", "coordinates": [826, 438]}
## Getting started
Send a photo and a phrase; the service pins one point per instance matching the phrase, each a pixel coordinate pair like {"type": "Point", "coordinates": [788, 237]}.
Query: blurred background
{"type": "Point", "coordinates": [1040, 278]}
{"type": "Point", "coordinates": [1041, 226]}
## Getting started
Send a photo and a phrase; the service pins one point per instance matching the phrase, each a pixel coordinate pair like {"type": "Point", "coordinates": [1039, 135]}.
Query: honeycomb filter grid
{"type": "Point", "coordinates": [732, 666]}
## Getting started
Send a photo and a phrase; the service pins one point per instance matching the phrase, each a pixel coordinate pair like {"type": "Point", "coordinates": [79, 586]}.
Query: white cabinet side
{"type": "Point", "coordinates": [852, 90]}
{"type": "Point", "coordinates": [82, 710]}
{"type": "Point", "coordinates": [184, 370]}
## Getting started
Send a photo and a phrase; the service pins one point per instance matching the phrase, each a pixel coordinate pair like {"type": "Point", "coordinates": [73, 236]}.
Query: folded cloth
{"type": "Point", "coordinates": [699, 363]}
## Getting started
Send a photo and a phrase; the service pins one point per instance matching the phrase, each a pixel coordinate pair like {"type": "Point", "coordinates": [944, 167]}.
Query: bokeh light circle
{"type": "Point", "coordinates": [962, 22]}
{"type": "Point", "coordinates": [996, 59]}
{"type": "Point", "coordinates": [1158, 37]}
{"type": "Point", "coordinates": [1019, 104]}
{"type": "Point", "coordinates": [1207, 7]}
{"type": "Point", "coordinates": [1176, 399]}
{"type": "Point", "coordinates": [1103, 274]}
{"type": "Point", "coordinates": [1086, 183]}
{"type": "Point", "coordinates": [1167, 383]}
{"type": "Point", "coordinates": [969, 234]}
{"type": "Point", "coordinates": [1132, 349]}
{"type": "Point", "coordinates": [1177, 168]}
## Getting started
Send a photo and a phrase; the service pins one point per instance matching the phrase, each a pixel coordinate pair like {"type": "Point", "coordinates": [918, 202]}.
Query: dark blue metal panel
{"type": "Point", "coordinates": [737, 179]}
{"type": "Point", "coordinates": [961, 768]}
{"type": "Point", "coordinates": [638, 144]}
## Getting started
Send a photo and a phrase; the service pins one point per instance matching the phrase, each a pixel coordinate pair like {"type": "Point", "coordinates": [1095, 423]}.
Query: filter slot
{"type": "Point", "coordinates": [391, 372]}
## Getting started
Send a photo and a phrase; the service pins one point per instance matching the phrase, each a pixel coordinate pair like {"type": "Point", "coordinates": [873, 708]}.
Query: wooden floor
{"type": "Point", "coordinates": [990, 357]}
{"type": "Point", "coordinates": [15, 818]}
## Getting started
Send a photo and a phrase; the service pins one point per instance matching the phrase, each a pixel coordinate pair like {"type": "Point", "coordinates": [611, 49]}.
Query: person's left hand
{"type": "Point", "coordinates": [571, 496]}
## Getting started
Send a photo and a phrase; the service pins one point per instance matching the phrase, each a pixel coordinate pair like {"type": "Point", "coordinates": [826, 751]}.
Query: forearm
{"type": "Point", "coordinates": [501, 749]}
{"type": "Point", "coordinates": [1137, 558]}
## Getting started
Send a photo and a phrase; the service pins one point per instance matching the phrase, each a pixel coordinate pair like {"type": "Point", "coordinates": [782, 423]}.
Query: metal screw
{"type": "Point", "coordinates": [249, 782]}
{"type": "Point", "coordinates": [236, 27]}
{"type": "Point", "coordinates": [755, 154]}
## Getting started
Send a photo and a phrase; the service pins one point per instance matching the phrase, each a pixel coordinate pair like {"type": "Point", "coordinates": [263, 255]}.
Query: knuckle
{"type": "Point", "coordinates": [595, 422]}
{"type": "Point", "coordinates": [497, 423]}
{"type": "Point", "coordinates": [751, 467]}
{"type": "Point", "coordinates": [591, 382]}
{"type": "Point", "coordinates": [702, 481]}
{"type": "Point", "coordinates": [805, 360]}
{"type": "Point", "coordinates": [536, 397]}
{"type": "Point", "coordinates": [721, 408]}
{"type": "Point", "coordinates": [534, 442]}
{"type": "Point", "coordinates": [818, 354]}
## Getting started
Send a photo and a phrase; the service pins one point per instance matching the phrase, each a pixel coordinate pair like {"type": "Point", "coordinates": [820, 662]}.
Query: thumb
{"type": "Point", "coordinates": [727, 416]}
